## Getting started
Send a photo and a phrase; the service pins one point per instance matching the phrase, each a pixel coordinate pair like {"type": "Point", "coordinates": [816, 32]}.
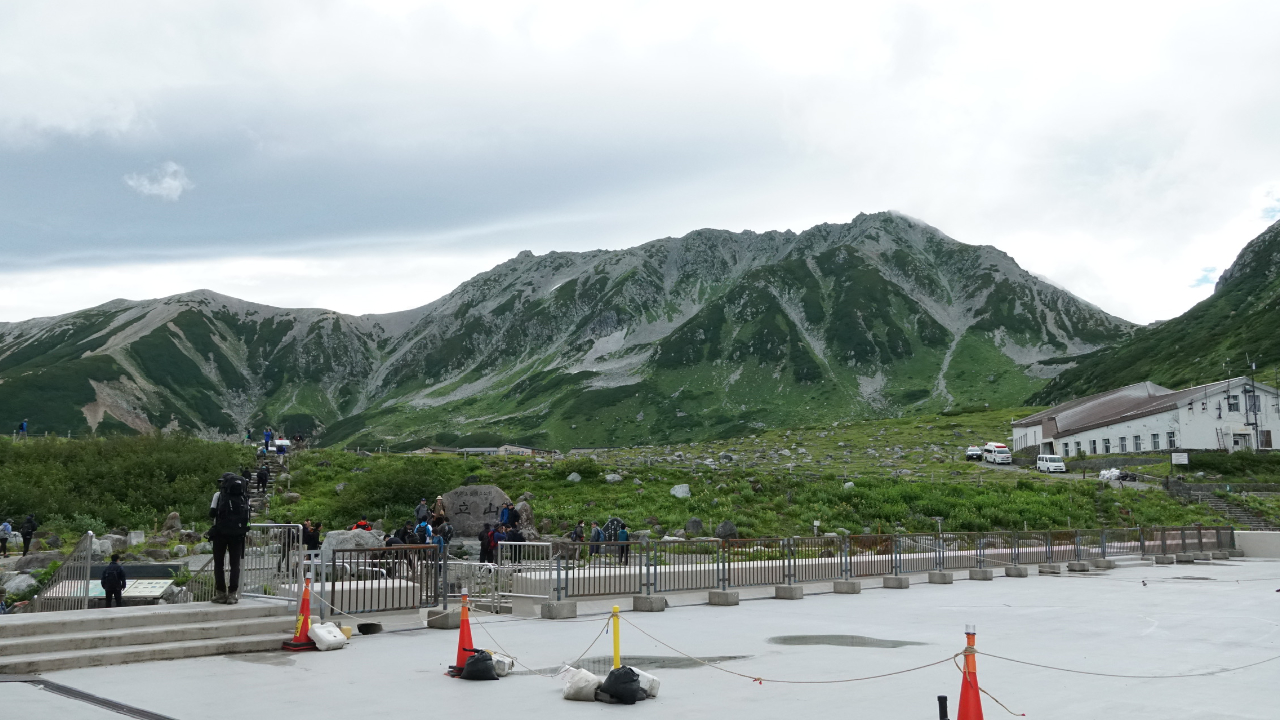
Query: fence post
{"type": "Point", "coordinates": [1077, 540]}
{"type": "Point", "coordinates": [1103, 535]}
{"type": "Point", "coordinates": [846, 571]}
{"type": "Point", "coordinates": [1048, 546]}
{"type": "Point", "coordinates": [981, 546]}
{"type": "Point", "coordinates": [1200, 538]}
{"type": "Point", "coordinates": [557, 578]}
{"type": "Point", "coordinates": [897, 556]}
{"type": "Point", "coordinates": [1164, 541]}
{"type": "Point", "coordinates": [1142, 543]}
{"type": "Point", "coordinates": [1017, 548]}
{"type": "Point", "coordinates": [723, 564]}
{"type": "Point", "coordinates": [1182, 532]}
{"type": "Point", "coordinates": [444, 579]}
{"type": "Point", "coordinates": [88, 559]}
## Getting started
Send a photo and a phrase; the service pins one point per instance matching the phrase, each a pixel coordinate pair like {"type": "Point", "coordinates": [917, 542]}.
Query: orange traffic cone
{"type": "Point", "coordinates": [302, 631]}
{"type": "Point", "coordinates": [464, 640]}
{"type": "Point", "coordinates": [970, 707]}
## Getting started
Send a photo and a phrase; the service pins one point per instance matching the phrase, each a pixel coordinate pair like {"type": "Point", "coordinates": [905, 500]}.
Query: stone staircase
{"type": "Point", "coordinates": [1236, 514]}
{"type": "Point", "coordinates": [44, 642]}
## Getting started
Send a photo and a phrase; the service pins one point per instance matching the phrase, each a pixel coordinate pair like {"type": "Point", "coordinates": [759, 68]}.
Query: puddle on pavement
{"type": "Point", "coordinates": [603, 664]}
{"type": "Point", "coordinates": [840, 641]}
{"type": "Point", "coordinates": [1189, 577]}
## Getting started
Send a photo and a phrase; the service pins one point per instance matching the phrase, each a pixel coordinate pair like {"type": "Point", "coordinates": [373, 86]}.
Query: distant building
{"type": "Point", "coordinates": [509, 449]}
{"type": "Point", "coordinates": [589, 450]}
{"type": "Point", "coordinates": [1235, 414]}
{"type": "Point", "coordinates": [479, 451]}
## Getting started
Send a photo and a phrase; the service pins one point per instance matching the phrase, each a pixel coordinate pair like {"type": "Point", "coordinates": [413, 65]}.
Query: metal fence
{"type": "Point", "coordinates": [400, 577]}
{"type": "Point", "coordinates": [676, 565]}
{"type": "Point", "coordinates": [758, 561]}
{"type": "Point", "coordinates": [273, 566]}
{"type": "Point", "coordinates": [69, 588]}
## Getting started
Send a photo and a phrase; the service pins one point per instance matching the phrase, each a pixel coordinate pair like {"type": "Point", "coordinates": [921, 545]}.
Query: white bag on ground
{"type": "Point", "coordinates": [581, 685]}
{"type": "Point", "coordinates": [502, 664]}
{"type": "Point", "coordinates": [648, 683]}
{"type": "Point", "coordinates": [327, 636]}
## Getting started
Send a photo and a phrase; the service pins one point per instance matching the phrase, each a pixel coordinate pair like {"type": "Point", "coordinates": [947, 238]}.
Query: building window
{"type": "Point", "coordinates": [1066, 449]}
{"type": "Point", "coordinates": [1106, 445]}
{"type": "Point", "coordinates": [1137, 443]}
{"type": "Point", "coordinates": [1155, 441]}
{"type": "Point", "coordinates": [1122, 444]}
{"type": "Point", "coordinates": [1253, 402]}
{"type": "Point", "coordinates": [1204, 406]}
{"type": "Point", "coordinates": [1172, 443]}
{"type": "Point", "coordinates": [1233, 403]}
{"type": "Point", "coordinates": [1093, 447]}
{"type": "Point", "coordinates": [1077, 447]}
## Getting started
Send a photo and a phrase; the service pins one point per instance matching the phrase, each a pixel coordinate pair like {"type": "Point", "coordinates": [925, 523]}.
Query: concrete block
{"type": "Point", "coordinates": [1235, 553]}
{"type": "Point", "coordinates": [1220, 555]}
{"type": "Point", "coordinates": [1164, 559]}
{"type": "Point", "coordinates": [723, 597]}
{"type": "Point", "coordinates": [847, 587]}
{"type": "Point", "coordinates": [937, 577]}
{"type": "Point", "coordinates": [1202, 556]}
{"type": "Point", "coordinates": [1049, 569]}
{"type": "Point", "coordinates": [559, 610]}
{"type": "Point", "coordinates": [1015, 571]}
{"type": "Point", "coordinates": [981, 574]}
{"type": "Point", "coordinates": [1103, 563]}
{"type": "Point", "coordinates": [788, 592]}
{"type": "Point", "coordinates": [648, 603]}
{"type": "Point", "coordinates": [1077, 566]}
{"type": "Point", "coordinates": [441, 619]}
{"type": "Point", "coordinates": [897, 582]}
{"type": "Point", "coordinates": [1184, 558]}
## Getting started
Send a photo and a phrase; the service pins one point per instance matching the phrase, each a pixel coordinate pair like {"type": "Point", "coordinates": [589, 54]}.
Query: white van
{"type": "Point", "coordinates": [1050, 464]}
{"type": "Point", "coordinates": [997, 454]}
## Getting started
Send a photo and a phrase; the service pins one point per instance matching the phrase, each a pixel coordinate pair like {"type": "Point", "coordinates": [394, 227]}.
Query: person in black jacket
{"type": "Point", "coordinates": [113, 581]}
{"type": "Point", "coordinates": [230, 512]}
{"type": "Point", "coordinates": [264, 475]}
{"type": "Point", "coordinates": [27, 530]}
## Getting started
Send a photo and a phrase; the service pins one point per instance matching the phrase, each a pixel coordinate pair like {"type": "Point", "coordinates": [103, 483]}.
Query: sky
{"type": "Point", "coordinates": [370, 156]}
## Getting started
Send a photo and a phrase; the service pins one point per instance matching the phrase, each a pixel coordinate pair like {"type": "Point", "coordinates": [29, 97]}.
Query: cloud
{"type": "Point", "coordinates": [166, 181]}
{"type": "Point", "coordinates": [1206, 279]}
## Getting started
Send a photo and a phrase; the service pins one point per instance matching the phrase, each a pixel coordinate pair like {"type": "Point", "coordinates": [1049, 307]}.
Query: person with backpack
{"type": "Point", "coordinates": [597, 536]}
{"type": "Point", "coordinates": [27, 530]}
{"type": "Point", "coordinates": [422, 533]}
{"type": "Point", "coordinates": [444, 531]}
{"type": "Point", "coordinates": [486, 550]}
{"type": "Point", "coordinates": [624, 550]}
{"type": "Point", "coordinates": [230, 513]}
{"type": "Point", "coordinates": [264, 476]}
{"type": "Point", "coordinates": [266, 439]}
{"type": "Point", "coordinates": [22, 429]}
{"type": "Point", "coordinates": [423, 511]}
{"type": "Point", "coordinates": [363, 524]}
{"type": "Point", "coordinates": [113, 581]}
{"type": "Point", "coordinates": [6, 529]}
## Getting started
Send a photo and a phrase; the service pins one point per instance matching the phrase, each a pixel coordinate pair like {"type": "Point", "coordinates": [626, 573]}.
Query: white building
{"type": "Point", "coordinates": [1231, 415]}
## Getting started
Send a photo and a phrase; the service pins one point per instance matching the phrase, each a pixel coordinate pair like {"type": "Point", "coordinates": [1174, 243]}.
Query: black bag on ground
{"type": "Point", "coordinates": [623, 685]}
{"type": "Point", "coordinates": [479, 667]}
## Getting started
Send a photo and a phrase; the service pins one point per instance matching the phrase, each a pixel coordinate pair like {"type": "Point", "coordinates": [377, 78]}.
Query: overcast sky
{"type": "Point", "coordinates": [368, 157]}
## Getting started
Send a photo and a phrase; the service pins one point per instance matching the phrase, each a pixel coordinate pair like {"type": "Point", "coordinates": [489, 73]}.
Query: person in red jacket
{"type": "Point", "coordinates": [363, 524]}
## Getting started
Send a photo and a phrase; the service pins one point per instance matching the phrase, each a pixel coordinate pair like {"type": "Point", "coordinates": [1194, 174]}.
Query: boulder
{"type": "Point", "coordinates": [526, 517]}
{"type": "Point", "coordinates": [179, 550]}
{"type": "Point", "coordinates": [190, 537]}
{"type": "Point", "coordinates": [19, 583]}
{"type": "Point", "coordinates": [726, 457]}
{"type": "Point", "coordinates": [849, 485]}
{"type": "Point", "coordinates": [574, 477]}
{"type": "Point", "coordinates": [693, 528]}
{"type": "Point", "coordinates": [727, 530]}
{"type": "Point", "coordinates": [680, 534]}
{"type": "Point", "coordinates": [350, 539]}
{"type": "Point", "coordinates": [339, 488]}
{"type": "Point", "coordinates": [204, 548]}
{"type": "Point", "coordinates": [377, 527]}
{"type": "Point", "coordinates": [526, 497]}
{"type": "Point", "coordinates": [157, 553]}
{"type": "Point", "coordinates": [613, 478]}
{"type": "Point", "coordinates": [119, 543]}
{"type": "Point", "coordinates": [291, 498]}
{"type": "Point", "coordinates": [53, 542]}
{"type": "Point", "coordinates": [681, 491]}
{"type": "Point", "coordinates": [101, 549]}
{"type": "Point", "coordinates": [364, 453]}
{"type": "Point", "coordinates": [471, 506]}
{"type": "Point", "coordinates": [658, 530]}
{"type": "Point", "coordinates": [37, 560]}
{"type": "Point", "coordinates": [172, 522]}
{"type": "Point", "coordinates": [641, 536]}
{"type": "Point", "coordinates": [175, 595]}
{"type": "Point", "coordinates": [137, 537]}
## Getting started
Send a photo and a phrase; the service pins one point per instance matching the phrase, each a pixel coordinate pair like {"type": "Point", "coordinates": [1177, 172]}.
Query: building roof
{"type": "Point", "coordinates": [1126, 403]}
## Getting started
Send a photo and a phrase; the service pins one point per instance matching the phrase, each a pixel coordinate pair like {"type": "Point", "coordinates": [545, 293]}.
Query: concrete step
{"type": "Point", "coordinates": [144, 635]}
{"type": "Point", "coordinates": [103, 619]}
{"type": "Point", "coordinates": [69, 659]}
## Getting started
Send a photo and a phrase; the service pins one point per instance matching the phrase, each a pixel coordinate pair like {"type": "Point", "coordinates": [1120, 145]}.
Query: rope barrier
{"type": "Point", "coordinates": [1132, 677]}
{"type": "Point", "coordinates": [566, 667]}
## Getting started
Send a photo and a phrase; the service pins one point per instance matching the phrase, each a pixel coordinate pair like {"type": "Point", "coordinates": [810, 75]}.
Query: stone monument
{"type": "Point", "coordinates": [471, 506]}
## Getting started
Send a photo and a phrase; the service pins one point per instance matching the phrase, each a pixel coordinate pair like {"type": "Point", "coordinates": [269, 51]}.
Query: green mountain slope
{"type": "Point", "coordinates": [1213, 340]}
{"type": "Point", "coordinates": [699, 336]}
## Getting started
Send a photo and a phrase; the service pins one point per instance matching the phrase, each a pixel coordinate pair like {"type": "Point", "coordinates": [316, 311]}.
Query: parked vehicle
{"type": "Point", "coordinates": [1050, 464]}
{"type": "Point", "coordinates": [997, 454]}
{"type": "Point", "coordinates": [973, 453]}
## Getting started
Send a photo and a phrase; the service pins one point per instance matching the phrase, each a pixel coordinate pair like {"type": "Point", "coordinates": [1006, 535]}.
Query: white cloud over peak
{"type": "Point", "coordinates": [167, 181]}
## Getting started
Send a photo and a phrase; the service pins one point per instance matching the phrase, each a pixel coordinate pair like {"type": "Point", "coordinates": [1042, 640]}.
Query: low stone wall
{"type": "Point", "coordinates": [1258, 544]}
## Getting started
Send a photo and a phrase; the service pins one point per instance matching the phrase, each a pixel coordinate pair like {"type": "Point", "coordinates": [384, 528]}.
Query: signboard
{"type": "Point", "coordinates": [145, 588]}
{"type": "Point", "coordinates": [1179, 458]}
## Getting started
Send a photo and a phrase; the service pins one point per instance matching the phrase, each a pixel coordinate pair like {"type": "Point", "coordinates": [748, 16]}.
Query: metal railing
{"type": "Point", "coordinates": [70, 586]}
{"type": "Point", "coordinates": [758, 561]}
{"type": "Point", "coordinates": [400, 577]}
{"type": "Point", "coordinates": [601, 568]}
{"type": "Point", "coordinates": [525, 569]}
{"type": "Point", "coordinates": [273, 566]}
{"type": "Point", "coordinates": [676, 565]}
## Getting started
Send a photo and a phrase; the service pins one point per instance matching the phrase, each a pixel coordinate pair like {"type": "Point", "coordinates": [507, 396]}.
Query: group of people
{"type": "Point", "coordinates": [26, 531]}
{"type": "Point", "coordinates": [597, 536]}
{"type": "Point", "coordinates": [429, 526]}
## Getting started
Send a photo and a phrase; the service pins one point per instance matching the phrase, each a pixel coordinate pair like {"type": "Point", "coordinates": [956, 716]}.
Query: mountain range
{"type": "Point", "coordinates": [710, 334]}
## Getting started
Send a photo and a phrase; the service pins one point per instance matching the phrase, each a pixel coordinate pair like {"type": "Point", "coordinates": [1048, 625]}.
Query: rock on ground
{"type": "Point", "coordinates": [173, 522]}
{"type": "Point", "coordinates": [349, 539]}
{"type": "Point", "coordinates": [693, 528]}
{"type": "Point", "coordinates": [613, 478]}
{"type": "Point", "coordinates": [19, 583]}
{"type": "Point", "coordinates": [727, 530]}
{"type": "Point", "coordinates": [681, 491]}
{"type": "Point", "coordinates": [574, 477]}
{"type": "Point", "coordinates": [37, 560]}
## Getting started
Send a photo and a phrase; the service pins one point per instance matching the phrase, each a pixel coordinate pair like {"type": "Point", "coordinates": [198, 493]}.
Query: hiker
{"type": "Point", "coordinates": [515, 536]}
{"type": "Point", "coordinates": [311, 536]}
{"type": "Point", "coordinates": [499, 535]}
{"type": "Point", "coordinates": [407, 533]}
{"type": "Point", "coordinates": [423, 532]}
{"type": "Point", "coordinates": [578, 534]}
{"type": "Point", "coordinates": [248, 438]}
{"type": "Point", "coordinates": [264, 476]}
{"type": "Point", "coordinates": [422, 512]}
{"type": "Point", "coordinates": [597, 535]}
{"type": "Point", "coordinates": [504, 514]}
{"type": "Point", "coordinates": [6, 529]}
{"type": "Point", "coordinates": [113, 581]}
{"type": "Point", "coordinates": [27, 530]}
{"type": "Point", "coordinates": [624, 550]}
{"type": "Point", "coordinates": [513, 516]}
{"type": "Point", "coordinates": [266, 439]}
{"type": "Point", "coordinates": [444, 531]}
{"type": "Point", "coordinates": [230, 512]}
{"type": "Point", "coordinates": [22, 429]}
{"type": "Point", "coordinates": [486, 537]}
{"type": "Point", "coordinates": [363, 524]}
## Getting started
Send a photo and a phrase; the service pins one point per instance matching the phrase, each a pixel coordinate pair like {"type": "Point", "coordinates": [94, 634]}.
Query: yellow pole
{"type": "Point", "coordinates": [617, 645]}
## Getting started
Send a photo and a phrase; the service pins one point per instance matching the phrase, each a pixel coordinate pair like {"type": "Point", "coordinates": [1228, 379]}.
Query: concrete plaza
{"type": "Point", "coordinates": [1185, 619]}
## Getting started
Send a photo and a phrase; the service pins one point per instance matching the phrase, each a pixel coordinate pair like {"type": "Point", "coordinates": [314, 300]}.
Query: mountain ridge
{"type": "Point", "coordinates": [874, 316]}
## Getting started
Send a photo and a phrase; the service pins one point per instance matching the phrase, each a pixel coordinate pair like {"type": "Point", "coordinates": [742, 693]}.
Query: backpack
{"type": "Point", "coordinates": [232, 516]}
{"type": "Point", "coordinates": [113, 578]}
